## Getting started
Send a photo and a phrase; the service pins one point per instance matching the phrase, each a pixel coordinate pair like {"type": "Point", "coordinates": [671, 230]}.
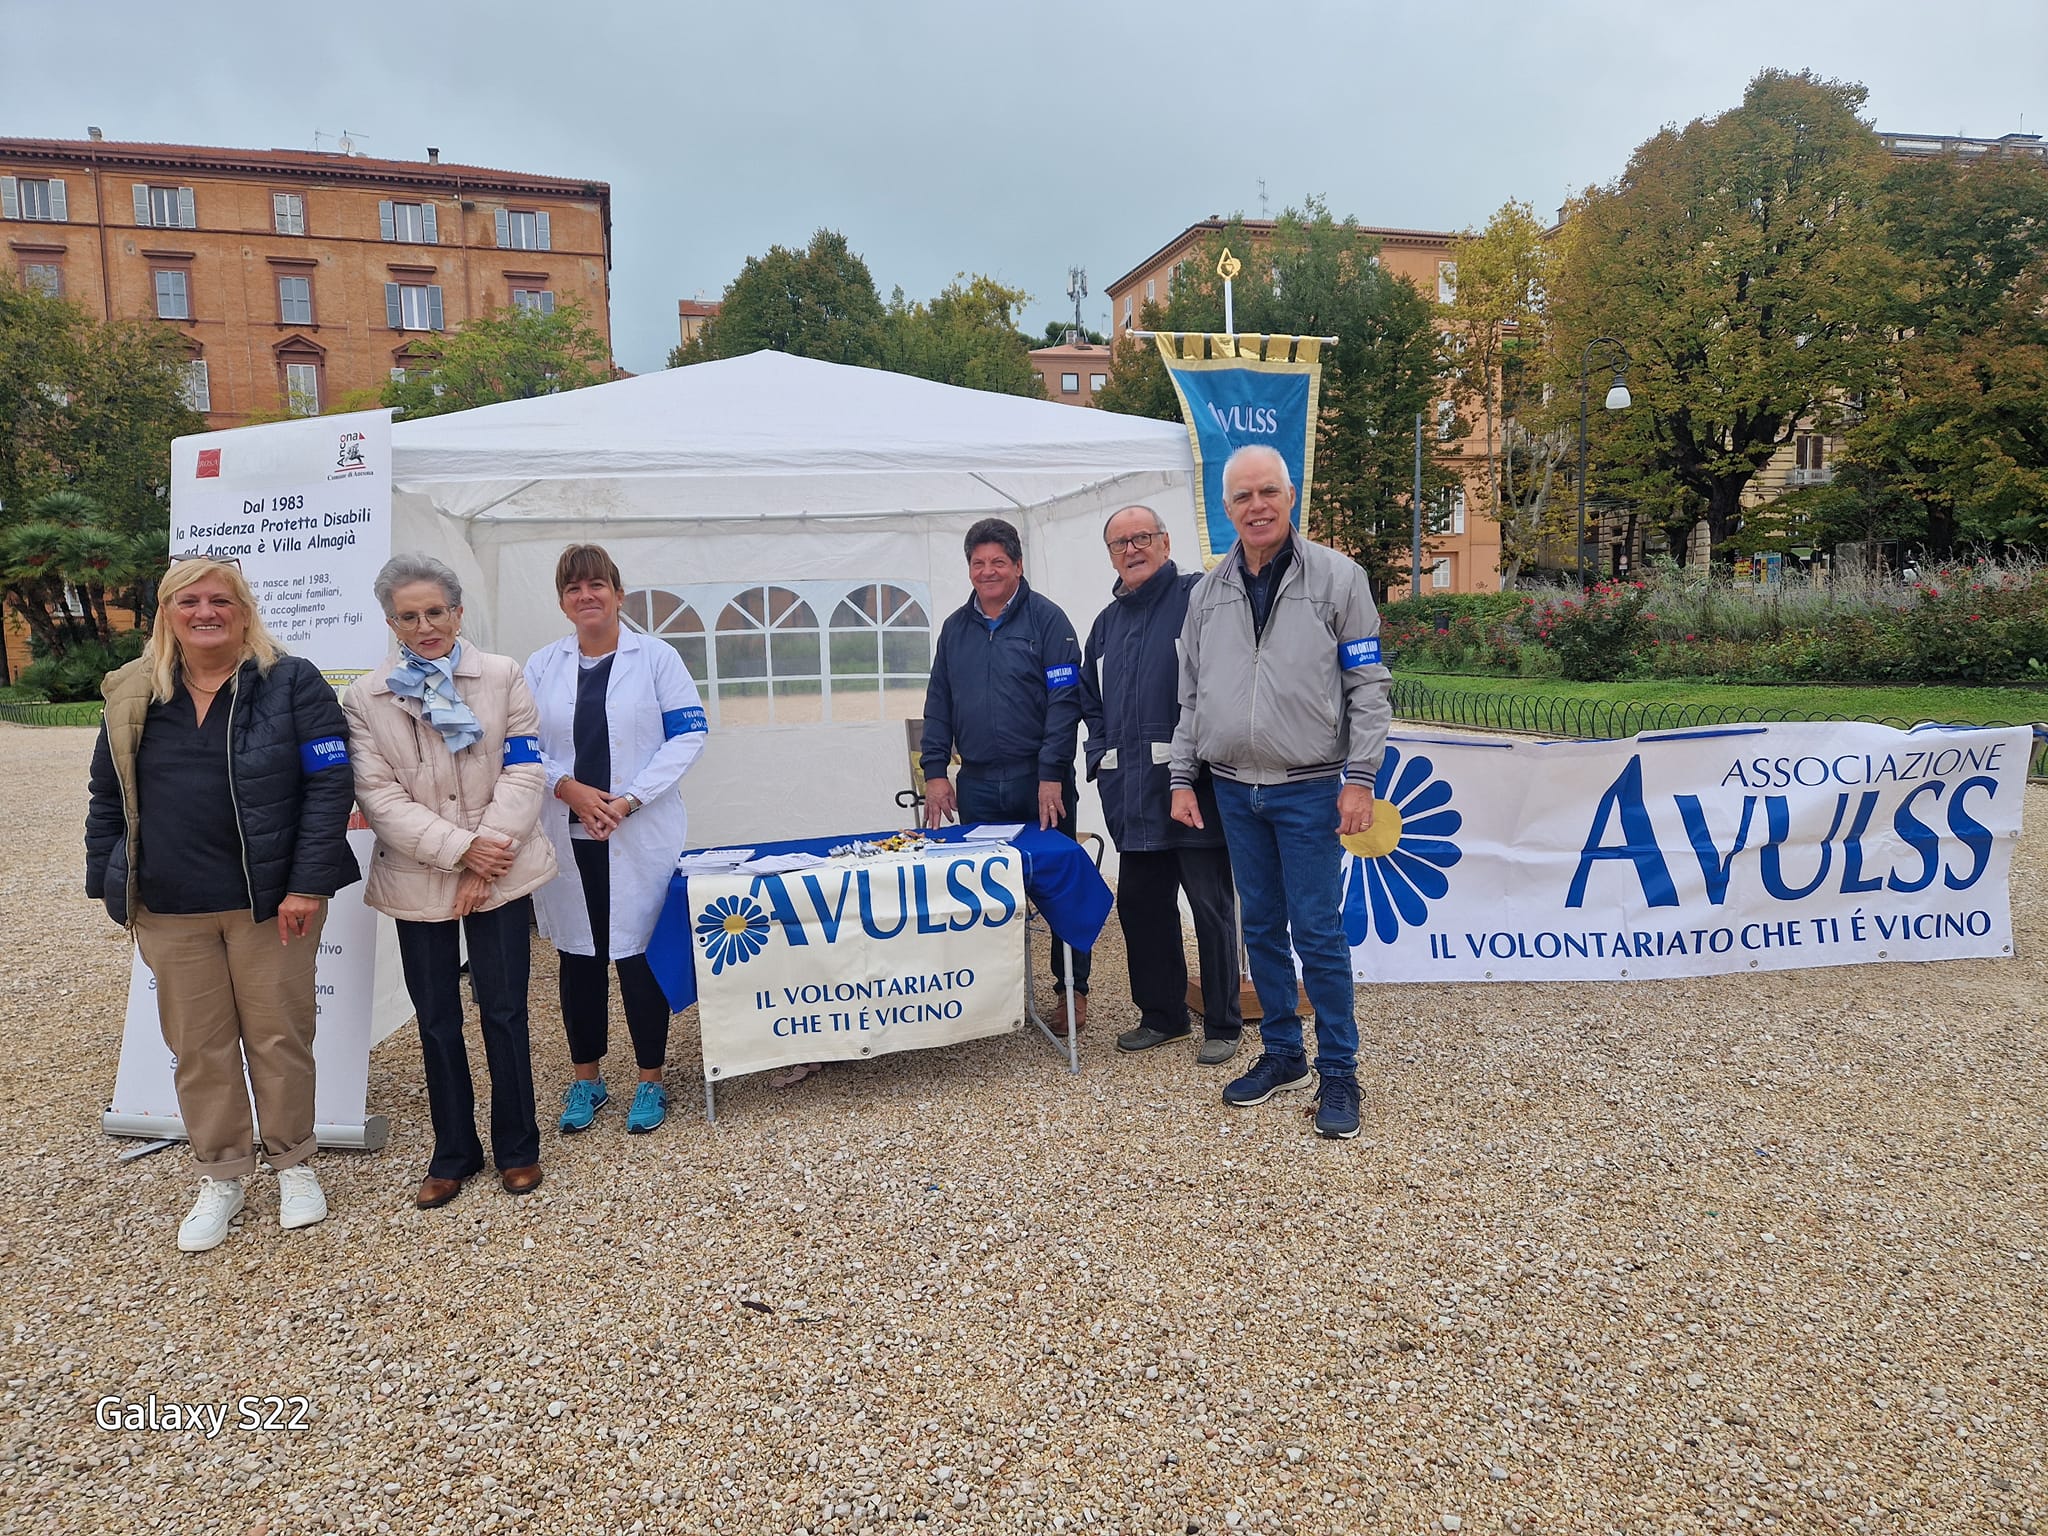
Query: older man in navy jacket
{"type": "Point", "coordinates": [1130, 703]}
{"type": "Point", "coordinates": [1005, 692]}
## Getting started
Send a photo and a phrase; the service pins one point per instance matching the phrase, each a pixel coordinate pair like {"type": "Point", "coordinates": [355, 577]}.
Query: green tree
{"type": "Point", "coordinates": [1317, 276]}
{"type": "Point", "coordinates": [1953, 446]}
{"type": "Point", "coordinates": [508, 354]}
{"type": "Point", "coordinates": [87, 413]}
{"type": "Point", "coordinates": [817, 302]}
{"type": "Point", "coordinates": [1498, 326]}
{"type": "Point", "coordinates": [1736, 260]}
{"type": "Point", "coordinates": [966, 336]}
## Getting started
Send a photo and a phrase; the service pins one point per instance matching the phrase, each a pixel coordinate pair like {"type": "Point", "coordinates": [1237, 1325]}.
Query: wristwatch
{"type": "Point", "coordinates": [632, 804]}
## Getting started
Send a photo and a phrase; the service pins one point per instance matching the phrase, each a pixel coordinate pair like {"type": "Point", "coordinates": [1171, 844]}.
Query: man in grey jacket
{"type": "Point", "coordinates": [1283, 695]}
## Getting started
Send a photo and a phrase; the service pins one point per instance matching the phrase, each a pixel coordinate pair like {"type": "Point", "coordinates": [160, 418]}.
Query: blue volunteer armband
{"type": "Point", "coordinates": [680, 722]}
{"type": "Point", "coordinates": [327, 752]}
{"type": "Point", "coordinates": [1358, 653]}
{"type": "Point", "coordinates": [1066, 675]}
{"type": "Point", "coordinates": [521, 749]}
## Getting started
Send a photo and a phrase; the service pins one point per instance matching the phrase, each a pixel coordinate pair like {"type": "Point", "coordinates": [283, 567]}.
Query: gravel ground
{"type": "Point", "coordinates": [1722, 1255]}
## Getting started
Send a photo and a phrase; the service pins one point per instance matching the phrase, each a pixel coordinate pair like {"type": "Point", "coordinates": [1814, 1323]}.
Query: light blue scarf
{"type": "Point", "coordinates": [433, 684]}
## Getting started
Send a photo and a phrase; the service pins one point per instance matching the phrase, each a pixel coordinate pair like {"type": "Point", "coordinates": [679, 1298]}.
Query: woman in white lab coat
{"type": "Point", "coordinates": [620, 723]}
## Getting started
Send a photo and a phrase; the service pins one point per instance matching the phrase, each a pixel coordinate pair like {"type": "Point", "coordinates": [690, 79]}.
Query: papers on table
{"type": "Point", "coordinates": [713, 861]}
{"type": "Point", "coordinates": [992, 832]}
{"type": "Point", "coordinates": [780, 863]}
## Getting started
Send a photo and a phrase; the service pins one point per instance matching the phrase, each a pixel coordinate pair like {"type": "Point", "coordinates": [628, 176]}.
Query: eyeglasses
{"type": "Point", "coordinates": [1135, 541]}
{"type": "Point", "coordinates": [433, 617]}
{"type": "Point", "coordinates": [210, 559]}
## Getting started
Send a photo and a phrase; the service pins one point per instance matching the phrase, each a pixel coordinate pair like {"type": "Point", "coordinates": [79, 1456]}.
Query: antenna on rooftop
{"type": "Point", "coordinates": [349, 141]}
{"type": "Point", "coordinates": [1077, 290]}
{"type": "Point", "coordinates": [1265, 211]}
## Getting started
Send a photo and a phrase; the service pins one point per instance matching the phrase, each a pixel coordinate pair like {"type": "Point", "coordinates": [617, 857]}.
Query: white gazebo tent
{"type": "Point", "coordinates": [768, 507]}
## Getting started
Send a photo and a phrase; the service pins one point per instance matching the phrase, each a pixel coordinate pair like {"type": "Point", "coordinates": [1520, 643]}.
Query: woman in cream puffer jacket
{"type": "Point", "coordinates": [448, 774]}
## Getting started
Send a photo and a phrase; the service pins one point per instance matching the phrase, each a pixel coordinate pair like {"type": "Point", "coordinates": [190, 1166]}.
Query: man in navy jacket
{"type": "Point", "coordinates": [1005, 693]}
{"type": "Point", "coordinates": [1130, 702]}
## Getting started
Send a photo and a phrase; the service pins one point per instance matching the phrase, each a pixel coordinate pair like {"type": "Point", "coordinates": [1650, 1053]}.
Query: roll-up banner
{"type": "Point", "coordinates": [1685, 853]}
{"type": "Point", "coordinates": [305, 508]}
{"type": "Point", "coordinates": [1236, 391]}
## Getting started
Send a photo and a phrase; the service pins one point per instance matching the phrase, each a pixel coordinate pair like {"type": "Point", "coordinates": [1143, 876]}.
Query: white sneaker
{"type": "Point", "coordinates": [299, 1200]}
{"type": "Point", "coordinates": [207, 1226]}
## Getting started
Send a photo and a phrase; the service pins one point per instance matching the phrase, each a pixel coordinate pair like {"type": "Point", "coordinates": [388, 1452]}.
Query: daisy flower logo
{"type": "Point", "coordinates": [1396, 866]}
{"type": "Point", "coordinates": [731, 930]}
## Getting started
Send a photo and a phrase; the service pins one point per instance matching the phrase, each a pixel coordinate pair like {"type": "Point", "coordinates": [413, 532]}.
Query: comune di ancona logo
{"type": "Point", "coordinates": [348, 457]}
{"type": "Point", "coordinates": [1396, 866]}
{"type": "Point", "coordinates": [732, 930]}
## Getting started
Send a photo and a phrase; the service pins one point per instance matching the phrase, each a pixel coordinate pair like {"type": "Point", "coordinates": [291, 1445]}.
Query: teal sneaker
{"type": "Point", "coordinates": [650, 1108]}
{"type": "Point", "coordinates": [586, 1096]}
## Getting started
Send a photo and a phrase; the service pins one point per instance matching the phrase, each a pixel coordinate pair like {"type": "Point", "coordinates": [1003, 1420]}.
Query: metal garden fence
{"type": "Point", "coordinates": [1539, 714]}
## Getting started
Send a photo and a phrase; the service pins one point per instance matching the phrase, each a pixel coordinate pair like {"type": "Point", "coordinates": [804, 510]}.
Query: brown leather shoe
{"type": "Point", "coordinates": [521, 1181]}
{"type": "Point", "coordinates": [435, 1193]}
{"type": "Point", "coordinates": [1058, 1021]}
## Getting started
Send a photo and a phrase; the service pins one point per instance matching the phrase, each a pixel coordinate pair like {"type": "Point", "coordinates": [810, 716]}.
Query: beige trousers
{"type": "Point", "coordinates": [227, 993]}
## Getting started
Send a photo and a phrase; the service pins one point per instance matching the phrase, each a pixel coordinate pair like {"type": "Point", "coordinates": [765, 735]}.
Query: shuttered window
{"type": "Point", "coordinates": [288, 213]}
{"type": "Point", "coordinates": [408, 223]}
{"type": "Point", "coordinates": [165, 207]}
{"type": "Point", "coordinates": [412, 306]}
{"type": "Point", "coordinates": [302, 388]}
{"type": "Point", "coordinates": [540, 301]}
{"type": "Point", "coordinates": [198, 389]}
{"type": "Point", "coordinates": [41, 199]}
{"type": "Point", "coordinates": [173, 296]}
{"type": "Point", "coordinates": [520, 230]}
{"type": "Point", "coordinates": [295, 300]}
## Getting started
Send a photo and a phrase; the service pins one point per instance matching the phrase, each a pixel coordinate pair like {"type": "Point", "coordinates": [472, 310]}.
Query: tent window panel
{"type": "Point", "coordinates": [794, 653]}
{"type": "Point", "coordinates": [799, 701]}
{"type": "Point", "coordinates": [855, 653]}
{"type": "Point", "coordinates": [691, 649]}
{"type": "Point", "coordinates": [766, 658]}
{"type": "Point", "coordinates": [741, 657]}
{"type": "Point", "coordinates": [907, 652]}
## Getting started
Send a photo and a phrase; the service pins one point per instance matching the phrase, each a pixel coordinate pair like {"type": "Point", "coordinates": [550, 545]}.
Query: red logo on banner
{"type": "Point", "coordinates": [209, 464]}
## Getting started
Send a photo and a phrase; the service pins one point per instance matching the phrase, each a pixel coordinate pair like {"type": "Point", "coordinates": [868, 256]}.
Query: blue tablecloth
{"type": "Point", "coordinates": [1060, 879]}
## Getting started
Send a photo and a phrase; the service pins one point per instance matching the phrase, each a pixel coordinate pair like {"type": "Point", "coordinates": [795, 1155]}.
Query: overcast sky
{"type": "Point", "coordinates": [974, 135]}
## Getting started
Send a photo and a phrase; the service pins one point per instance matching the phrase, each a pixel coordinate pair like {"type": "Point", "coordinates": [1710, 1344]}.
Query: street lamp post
{"type": "Point", "coordinates": [1617, 400]}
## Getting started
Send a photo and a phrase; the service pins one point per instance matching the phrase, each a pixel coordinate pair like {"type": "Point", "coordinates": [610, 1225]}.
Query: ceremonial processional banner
{"type": "Point", "coordinates": [304, 507]}
{"type": "Point", "coordinates": [1241, 390]}
{"type": "Point", "coordinates": [1688, 853]}
{"type": "Point", "coordinates": [841, 961]}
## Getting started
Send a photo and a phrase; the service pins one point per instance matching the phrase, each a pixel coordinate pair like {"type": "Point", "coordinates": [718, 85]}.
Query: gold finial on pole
{"type": "Point", "coordinates": [1227, 267]}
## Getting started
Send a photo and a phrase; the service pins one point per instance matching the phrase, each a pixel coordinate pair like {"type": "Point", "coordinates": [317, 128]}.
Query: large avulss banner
{"type": "Point", "coordinates": [1691, 853]}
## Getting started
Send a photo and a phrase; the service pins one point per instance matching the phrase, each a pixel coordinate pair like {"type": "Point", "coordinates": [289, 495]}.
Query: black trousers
{"type": "Point", "coordinates": [1147, 906]}
{"type": "Point", "coordinates": [586, 988]}
{"type": "Point", "coordinates": [1014, 797]}
{"type": "Point", "coordinates": [500, 960]}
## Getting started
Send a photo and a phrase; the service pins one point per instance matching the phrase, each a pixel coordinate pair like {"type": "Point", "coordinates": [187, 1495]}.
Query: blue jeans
{"type": "Point", "coordinates": [1285, 855]}
{"type": "Point", "coordinates": [1014, 797]}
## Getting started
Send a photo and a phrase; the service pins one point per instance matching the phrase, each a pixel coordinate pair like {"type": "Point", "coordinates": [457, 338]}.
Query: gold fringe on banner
{"type": "Point", "coordinates": [1204, 346]}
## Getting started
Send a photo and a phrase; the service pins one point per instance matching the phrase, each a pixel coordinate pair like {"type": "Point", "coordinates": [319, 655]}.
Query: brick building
{"type": "Point", "coordinates": [1073, 370]}
{"type": "Point", "coordinates": [297, 277]}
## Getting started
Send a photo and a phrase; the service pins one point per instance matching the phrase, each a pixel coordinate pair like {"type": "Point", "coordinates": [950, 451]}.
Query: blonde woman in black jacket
{"type": "Point", "coordinates": [217, 831]}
